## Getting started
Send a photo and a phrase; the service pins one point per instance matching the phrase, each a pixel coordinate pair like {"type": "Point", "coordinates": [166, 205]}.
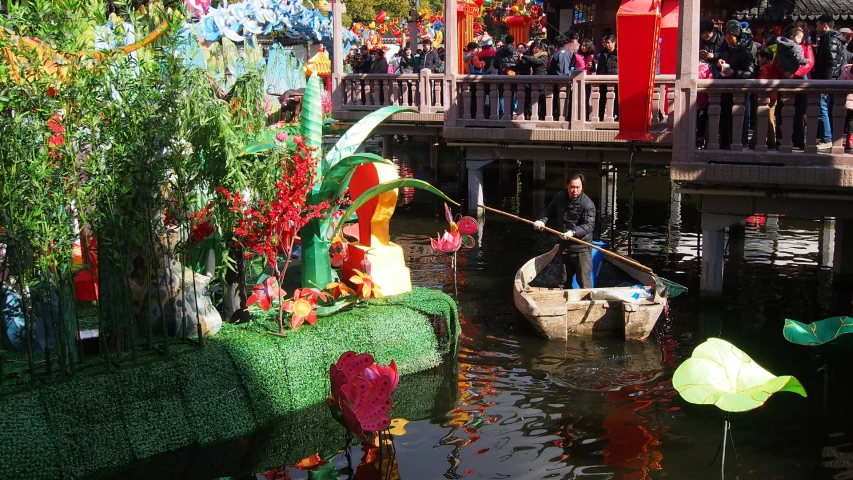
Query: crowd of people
{"type": "Point", "coordinates": [366, 60]}
{"type": "Point", "coordinates": [795, 51]}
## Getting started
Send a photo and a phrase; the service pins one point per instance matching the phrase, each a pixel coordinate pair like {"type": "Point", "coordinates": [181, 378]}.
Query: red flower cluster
{"type": "Point", "coordinates": [54, 123]}
{"type": "Point", "coordinates": [269, 228]}
{"type": "Point", "coordinates": [200, 225]}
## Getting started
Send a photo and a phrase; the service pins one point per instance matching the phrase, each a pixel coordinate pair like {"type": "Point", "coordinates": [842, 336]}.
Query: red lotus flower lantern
{"type": "Point", "coordinates": [360, 398]}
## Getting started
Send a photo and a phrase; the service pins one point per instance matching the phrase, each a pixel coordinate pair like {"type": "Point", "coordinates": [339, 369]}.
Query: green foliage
{"type": "Point", "coordinates": [718, 373]}
{"type": "Point", "coordinates": [241, 380]}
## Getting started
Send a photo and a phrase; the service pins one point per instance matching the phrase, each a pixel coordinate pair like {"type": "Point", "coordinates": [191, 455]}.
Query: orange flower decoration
{"type": "Point", "coordinates": [367, 287]}
{"type": "Point", "coordinates": [339, 289]}
{"type": "Point", "coordinates": [302, 308]}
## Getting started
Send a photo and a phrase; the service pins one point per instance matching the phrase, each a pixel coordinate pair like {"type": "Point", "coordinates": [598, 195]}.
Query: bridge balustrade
{"type": "Point", "coordinates": [797, 106]}
{"type": "Point", "coordinates": [368, 92]}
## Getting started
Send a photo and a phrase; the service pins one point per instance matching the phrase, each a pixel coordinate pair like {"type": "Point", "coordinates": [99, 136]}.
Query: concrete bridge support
{"type": "Point", "coordinates": [714, 251]}
{"type": "Point", "coordinates": [475, 185]}
{"type": "Point", "coordinates": [827, 241]}
{"type": "Point", "coordinates": [842, 263]}
{"type": "Point", "coordinates": [388, 146]}
{"type": "Point", "coordinates": [737, 240]}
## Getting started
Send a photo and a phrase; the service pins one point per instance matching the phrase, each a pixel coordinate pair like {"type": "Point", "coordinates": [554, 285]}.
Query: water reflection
{"type": "Point", "coordinates": [515, 406]}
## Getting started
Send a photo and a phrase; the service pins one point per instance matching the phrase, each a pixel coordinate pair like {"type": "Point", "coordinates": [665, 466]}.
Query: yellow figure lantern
{"type": "Point", "coordinates": [388, 265]}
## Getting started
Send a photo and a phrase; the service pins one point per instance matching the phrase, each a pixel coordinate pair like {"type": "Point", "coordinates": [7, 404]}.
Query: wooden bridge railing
{"type": "Point", "coordinates": [797, 109]}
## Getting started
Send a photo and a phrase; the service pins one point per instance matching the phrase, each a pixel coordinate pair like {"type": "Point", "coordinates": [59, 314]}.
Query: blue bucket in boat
{"type": "Point", "coordinates": [597, 257]}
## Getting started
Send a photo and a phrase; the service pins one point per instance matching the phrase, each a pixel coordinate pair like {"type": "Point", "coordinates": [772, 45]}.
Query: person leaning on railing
{"type": "Point", "coordinates": [737, 61]}
{"type": "Point", "coordinates": [535, 62]}
{"type": "Point", "coordinates": [828, 58]}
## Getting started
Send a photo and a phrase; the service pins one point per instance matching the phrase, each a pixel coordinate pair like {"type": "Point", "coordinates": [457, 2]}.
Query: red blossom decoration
{"type": "Point", "coordinates": [270, 228]}
{"type": "Point", "coordinates": [264, 293]}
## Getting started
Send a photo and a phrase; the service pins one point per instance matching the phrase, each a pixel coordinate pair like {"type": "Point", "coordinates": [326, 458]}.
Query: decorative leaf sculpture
{"type": "Point", "coordinates": [718, 373]}
{"type": "Point", "coordinates": [337, 178]}
{"type": "Point", "coordinates": [825, 331]}
{"type": "Point", "coordinates": [359, 132]}
{"type": "Point", "coordinates": [388, 186]}
{"type": "Point", "coordinates": [311, 119]}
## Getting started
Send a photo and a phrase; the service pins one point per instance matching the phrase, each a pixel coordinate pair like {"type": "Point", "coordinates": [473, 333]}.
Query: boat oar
{"type": "Point", "coordinates": [576, 240]}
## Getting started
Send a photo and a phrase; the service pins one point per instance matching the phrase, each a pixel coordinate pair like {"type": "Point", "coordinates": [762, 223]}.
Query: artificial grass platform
{"type": "Point", "coordinates": [242, 379]}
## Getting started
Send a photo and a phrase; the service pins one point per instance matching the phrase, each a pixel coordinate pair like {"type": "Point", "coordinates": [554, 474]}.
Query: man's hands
{"type": "Point", "coordinates": [538, 224]}
{"type": "Point", "coordinates": [567, 234]}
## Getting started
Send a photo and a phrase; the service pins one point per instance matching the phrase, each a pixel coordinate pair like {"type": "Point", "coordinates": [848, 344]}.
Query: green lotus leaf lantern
{"type": "Point", "coordinates": [718, 373]}
{"type": "Point", "coordinates": [823, 332]}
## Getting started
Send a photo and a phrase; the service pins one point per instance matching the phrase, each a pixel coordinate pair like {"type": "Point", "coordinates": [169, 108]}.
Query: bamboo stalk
{"type": "Point", "coordinates": [59, 330]}
{"type": "Point", "coordinates": [125, 290]}
{"type": "Point", "coordinates": [102, 340]}
{"type": "Point", "coordinates": [28, 326]}
{"type": "Point", "coordinates": [576, 240]}
{"type": "Point", "coordinates": [77, 338]}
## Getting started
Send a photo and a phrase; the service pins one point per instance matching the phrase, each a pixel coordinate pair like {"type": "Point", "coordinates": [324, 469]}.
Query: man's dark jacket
{"type": "Point", "coordinates": [714, 45]}
{"type": "Point", "coordinates": [607, 63]}
{"type": "Point", "coordinates": [430, 60]}
{"type": "Point", "coordinates": [741, 57]}
{"type": "Point", "coordinates": [577, 215]}
{"type": "Point", "coordinates": [365, 65]}
{"type": "Point", "coordinates": [505, 59]}
{"type": "Point", "coordinates": [829, 56]}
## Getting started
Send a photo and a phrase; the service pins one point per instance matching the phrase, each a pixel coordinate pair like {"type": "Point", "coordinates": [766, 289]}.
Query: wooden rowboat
{"type": "Point", "coordinates": [558, 312]}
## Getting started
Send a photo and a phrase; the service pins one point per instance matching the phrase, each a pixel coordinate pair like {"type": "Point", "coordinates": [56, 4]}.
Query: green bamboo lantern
{"type": "Point", "coordinates": [333, 172]}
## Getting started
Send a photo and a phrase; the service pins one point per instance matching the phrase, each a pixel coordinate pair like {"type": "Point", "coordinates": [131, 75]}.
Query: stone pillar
{"type": "Point", "coordinates": [433, 155]}
{"type": "Point", "coordinates": [684, 125]}
{"type": "Point", "coordinates": [337, 55]}
{"type": "Point", "coordinates": [771, 226]}
{"type": "Point", "coordinates": [538, 171]}
{"type": "Point", "coordinates": [842, 263]}
{"type": "Point", "coordinates": [713, 259]}
{"type": "Point", "coordinates": [827, 241]}
{"type": "Point", "coordinates": [413, 31]}
{"type": "Point", "coordinates": [674, 221]}
{"type": "Point", "coordinates": [737, 240]}
{"type": "Point", "coordinates": [451, 39]}
{"type": "Point", "coordinates": [714, 251]}
{"type": "Point", "coordinates": [387, 146]}
{"type": "Point", "coordinates": [475, 185]}
{"type": "Point", "coordinates": [451, 62]}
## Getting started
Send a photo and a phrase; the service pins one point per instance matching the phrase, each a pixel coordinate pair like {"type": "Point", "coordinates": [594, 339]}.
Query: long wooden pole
{"type": "Point", "coordinates": [576, 240]}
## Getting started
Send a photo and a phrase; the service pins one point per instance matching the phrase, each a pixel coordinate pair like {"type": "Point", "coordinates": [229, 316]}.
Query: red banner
{"type": "Point", "coordinates": [669, 37]}
{"type": "Point", "coordinates": [638, 28]}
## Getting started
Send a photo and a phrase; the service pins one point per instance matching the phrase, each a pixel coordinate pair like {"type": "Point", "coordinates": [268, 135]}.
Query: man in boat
{"type": "Point", "coordinates": [574, 212]}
